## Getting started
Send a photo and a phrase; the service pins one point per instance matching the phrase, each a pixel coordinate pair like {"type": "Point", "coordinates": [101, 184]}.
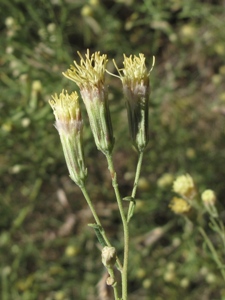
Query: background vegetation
{"type": "Point", "coordinates": [46, 250]}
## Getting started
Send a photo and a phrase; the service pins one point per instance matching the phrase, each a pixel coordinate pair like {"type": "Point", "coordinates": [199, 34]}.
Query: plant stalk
{"type": "Point", "coordinates": [125, 225]}
{"type": "Point", "coordinates": [213, 251]}
{"type": "Point", "coordinates": [98, 222]}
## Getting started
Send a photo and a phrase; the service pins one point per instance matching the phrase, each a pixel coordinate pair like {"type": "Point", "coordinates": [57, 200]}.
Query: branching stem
{"type": "Point", "coordinates": [98, 222]}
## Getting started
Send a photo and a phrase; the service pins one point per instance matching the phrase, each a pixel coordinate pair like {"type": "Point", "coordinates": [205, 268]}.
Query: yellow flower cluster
{"type": "Point", "coordinates": [179, 206]}
{"type": "Point", "coordinates": [65, 106]}
{"type": "Point", "coordinates": [90, 71]}
{"type": "Point", "coordinates": [184, 186]}
{"type": "Point", "coordinates": [134, 71]}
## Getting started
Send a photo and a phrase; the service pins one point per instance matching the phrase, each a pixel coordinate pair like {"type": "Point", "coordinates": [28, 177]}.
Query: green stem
{"type": "Point", "coordinates": [213, 251]}
{"type": "Point", "coordinates": [222, 233]}
{"type": "Point", "coordinates": [98, 222]}
{"type": "Point", "coordinates": [4, 278]}
{"type": "Point", "coordinates": [125, 226]}
{"type": "Point", "coordinates": [114, 284]}
{"type": "Point", "coordinates": [217, 226]}
{"type": "Point", "coordinates": [133, 194]}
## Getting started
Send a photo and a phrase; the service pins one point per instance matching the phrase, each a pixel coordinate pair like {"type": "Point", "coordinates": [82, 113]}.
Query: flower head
{"type": "Point", "coordinates": [208, 197]}
{"type": "Point", "coordinates": [209, 202]}
{"type": "Point", "coordinates": [90, 72]}
{"type": "Point", "coordinates": [134, 73]}
{"type": "Point", "coordinates": [165, 180]}
{"type": "Point", "coordinates": [69, 125]}
{"type": "Point", "coordinates": [184, 185]}
{"type": "Point", "coordinates": [89, 75]}
{"type": "Point", "coordinates": [179, 206]}
{"type": "Point", "coordinates": [67, 111]}
{"type": "Point", "coordinates": [136, 89]}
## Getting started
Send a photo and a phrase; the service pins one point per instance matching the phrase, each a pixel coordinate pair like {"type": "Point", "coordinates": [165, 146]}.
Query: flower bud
{"type": "Point", "coordinates": [108, 256]}
{"type": "Point", "coordinates": [110, 281]}
{"type": "Point", "coordinates": [69, 125]}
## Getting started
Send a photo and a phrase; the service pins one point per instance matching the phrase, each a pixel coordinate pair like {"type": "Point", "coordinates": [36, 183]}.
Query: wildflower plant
{"type": "Point", "coordinates": [196, 208]}
{"type": "Point", "coordinates": [89, 75]}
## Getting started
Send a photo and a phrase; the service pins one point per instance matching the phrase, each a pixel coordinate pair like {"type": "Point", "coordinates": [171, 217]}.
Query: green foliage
{"type": "Point", "coordinates": [47, 251]}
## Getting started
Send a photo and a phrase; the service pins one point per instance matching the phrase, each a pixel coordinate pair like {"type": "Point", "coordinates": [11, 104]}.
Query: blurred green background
{"type": "Point", "coordinates": [46, 250]}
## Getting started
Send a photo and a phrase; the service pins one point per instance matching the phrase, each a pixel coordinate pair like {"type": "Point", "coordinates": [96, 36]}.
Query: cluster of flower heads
{"type": "Point", "coordinates": [89, 75]}
{"type": "Point", "coordinates": [189, 198]}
